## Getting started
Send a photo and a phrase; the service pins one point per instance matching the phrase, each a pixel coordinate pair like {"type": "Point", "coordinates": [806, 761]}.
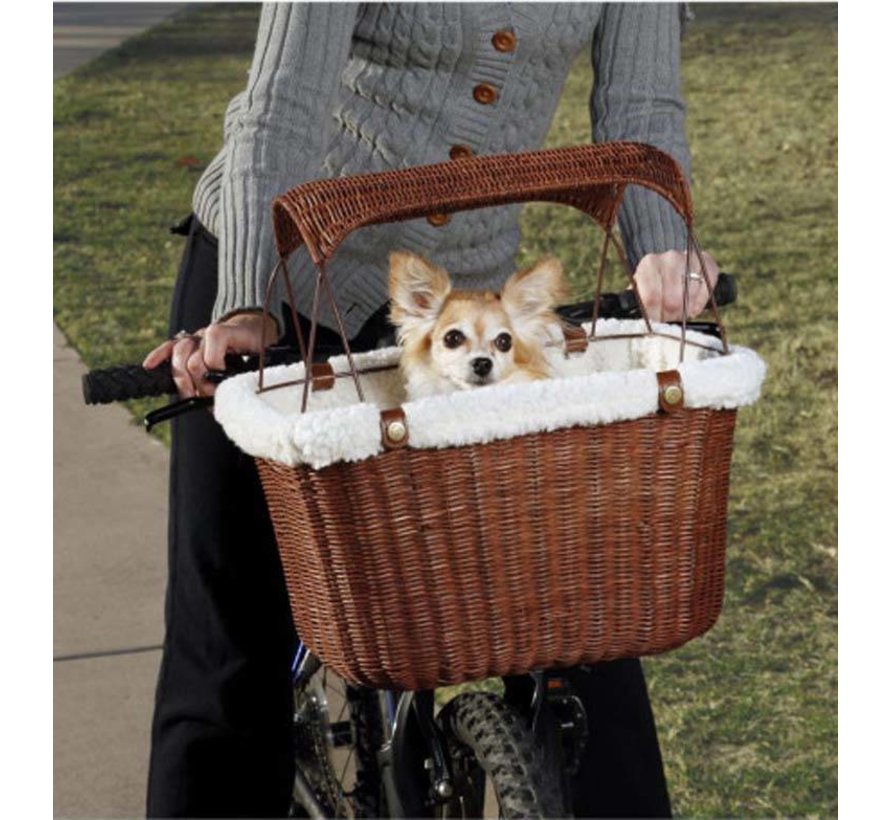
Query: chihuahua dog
{"type": "Point", "coordinates": [457, 339]}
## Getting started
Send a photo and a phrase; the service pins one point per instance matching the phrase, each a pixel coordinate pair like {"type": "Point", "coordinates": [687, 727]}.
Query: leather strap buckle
{"type": "Point", "coordinates": [670, 391]}
{"type": "Point", "coordinates": [393, 428]}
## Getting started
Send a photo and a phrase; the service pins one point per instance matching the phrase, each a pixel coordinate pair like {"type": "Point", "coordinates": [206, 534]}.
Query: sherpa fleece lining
{"type": "Point", "coordinates": [613, 381]}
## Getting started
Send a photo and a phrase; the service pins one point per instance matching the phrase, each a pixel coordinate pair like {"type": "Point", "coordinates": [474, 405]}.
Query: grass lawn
{"type": "Point", "coordinates": [747, 714]}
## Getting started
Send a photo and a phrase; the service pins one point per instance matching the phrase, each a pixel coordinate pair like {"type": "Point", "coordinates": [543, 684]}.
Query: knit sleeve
{"type": "Point", "coordinates": [277, 137]}
{"type": "Point", "coordinates": [637, 96]}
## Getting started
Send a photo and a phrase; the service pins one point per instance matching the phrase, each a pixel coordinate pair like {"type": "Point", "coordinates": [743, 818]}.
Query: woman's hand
{"type": "Point", "coordinates": [191, 356]}
{"type": "Point", "coordinates": [659, 278]}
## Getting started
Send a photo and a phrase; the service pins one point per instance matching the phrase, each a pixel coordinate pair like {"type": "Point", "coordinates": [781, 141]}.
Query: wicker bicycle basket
{"type": "Point", "coordinates": [510, 528]}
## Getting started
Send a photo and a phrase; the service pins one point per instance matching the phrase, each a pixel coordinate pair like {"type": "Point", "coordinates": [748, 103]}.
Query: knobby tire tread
{"type": "Point", "coordinates": [504, 746]}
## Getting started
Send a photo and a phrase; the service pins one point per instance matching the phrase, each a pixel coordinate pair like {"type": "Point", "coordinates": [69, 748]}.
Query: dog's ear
{"type": "Point", "coordinates": [418, 289]}
{"type": "Point", "coordinates": [530, 294]}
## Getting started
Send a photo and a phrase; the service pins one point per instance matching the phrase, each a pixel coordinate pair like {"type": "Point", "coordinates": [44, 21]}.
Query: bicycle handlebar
{"type": "Point", "coordinates": [104, 386]}
{"type": "Point", "coordinates": [132, 381]}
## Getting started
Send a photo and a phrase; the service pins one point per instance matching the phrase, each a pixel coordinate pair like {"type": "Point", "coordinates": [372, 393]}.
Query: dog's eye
{"type": "Point", "coordinates": [453, 339]}
{"type": "Point", "coordinates": [503, 342]}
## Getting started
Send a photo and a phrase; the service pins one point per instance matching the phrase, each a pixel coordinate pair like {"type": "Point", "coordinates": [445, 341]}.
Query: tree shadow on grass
{"type": "Point", "coordinates": [216, 29]}
{"type": "Point", "coordinates": [788, 13]}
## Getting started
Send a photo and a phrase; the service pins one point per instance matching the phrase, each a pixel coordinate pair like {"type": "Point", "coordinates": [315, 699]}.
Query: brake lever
{"type": "Point", "coordinates": [235, 364]}
{"type": "Point", "coordinates": [176, 408]}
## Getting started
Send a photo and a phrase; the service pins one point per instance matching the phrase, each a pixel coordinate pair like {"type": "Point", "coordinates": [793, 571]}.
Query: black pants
{"type": "Point", "coordinates": [221, 730]}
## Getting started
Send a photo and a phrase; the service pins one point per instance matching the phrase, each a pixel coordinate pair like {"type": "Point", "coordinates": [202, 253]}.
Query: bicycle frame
{"type": "Point", "coordinates": [409, 726]}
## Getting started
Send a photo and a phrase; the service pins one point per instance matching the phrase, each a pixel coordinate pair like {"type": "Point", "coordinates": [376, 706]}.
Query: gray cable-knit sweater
{"type": "Point", "coordinates": [344, 88]}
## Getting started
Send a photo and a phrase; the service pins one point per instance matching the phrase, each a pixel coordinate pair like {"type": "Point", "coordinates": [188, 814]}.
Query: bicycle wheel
{"type": "Point", "coordinates": [337, 732]}
{"type": "Point", "coordinates": [490, 741]}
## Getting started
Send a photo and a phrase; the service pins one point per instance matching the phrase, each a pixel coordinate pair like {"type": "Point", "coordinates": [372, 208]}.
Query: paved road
{"type": "Point", "coordinates": [109, 484]}
{"type": "Point", "coordinates": [82, 31]}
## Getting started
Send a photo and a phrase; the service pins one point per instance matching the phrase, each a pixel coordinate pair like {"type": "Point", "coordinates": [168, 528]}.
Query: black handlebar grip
{"type": "Point", "coordinates": [725, 292]}
{"type": "Point", "coordinates": [127, 382]}
{"type": "Point", "coordinates": [132, 381]}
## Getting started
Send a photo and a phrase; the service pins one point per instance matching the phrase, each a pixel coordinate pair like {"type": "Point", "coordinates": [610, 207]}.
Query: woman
{"type": "Point", "coordinates": [338, 89]}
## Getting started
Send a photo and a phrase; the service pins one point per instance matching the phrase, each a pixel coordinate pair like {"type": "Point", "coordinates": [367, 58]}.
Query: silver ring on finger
{"type": "Point", "coordinates": [184, 334]}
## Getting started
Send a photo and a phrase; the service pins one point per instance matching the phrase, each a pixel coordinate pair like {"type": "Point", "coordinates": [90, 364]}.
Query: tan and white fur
{"type": "Point", "coordinates": [457, 340]}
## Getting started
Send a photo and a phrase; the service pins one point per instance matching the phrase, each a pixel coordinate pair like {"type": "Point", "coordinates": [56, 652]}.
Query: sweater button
{"type": "Point", "coordinates": [485, 94]}
{"type": "Point", "coordinates": [504, 41]}
{"type": "Point", "coordinates": [438, 220]}
{"type": "Point", "coordinates": [460, 152]}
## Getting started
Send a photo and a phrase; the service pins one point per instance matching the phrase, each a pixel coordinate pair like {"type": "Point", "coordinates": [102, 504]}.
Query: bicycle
{"type": "Point", "coordinates": [366, 753]}
{"type": "Point", "coordinates": [390, 755]}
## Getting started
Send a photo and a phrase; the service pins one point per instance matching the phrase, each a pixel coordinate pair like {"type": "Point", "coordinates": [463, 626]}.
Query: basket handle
{"type": "Point", "coordinates": [591, 178]}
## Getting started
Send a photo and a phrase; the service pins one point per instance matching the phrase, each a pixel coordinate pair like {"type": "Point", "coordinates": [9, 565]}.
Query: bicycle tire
{"type": "Point", "coordinates": [344, 777]}
{"type": "Point", "coordinates": [495, 740]}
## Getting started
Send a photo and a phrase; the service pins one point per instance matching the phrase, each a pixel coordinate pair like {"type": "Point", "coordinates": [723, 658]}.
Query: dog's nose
{"type": "Point", "coordinates": [481, 366]}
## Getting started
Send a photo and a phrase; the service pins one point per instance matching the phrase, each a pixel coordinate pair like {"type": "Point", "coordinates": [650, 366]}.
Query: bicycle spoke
{"type": "Point", "coordinates": [346, 764]}
{"type": "Point", "coordinates": [344, 795]}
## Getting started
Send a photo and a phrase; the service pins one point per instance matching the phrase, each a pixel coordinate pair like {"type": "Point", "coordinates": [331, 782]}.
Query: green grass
{"type": "Point", "coordinates": [747, 714]}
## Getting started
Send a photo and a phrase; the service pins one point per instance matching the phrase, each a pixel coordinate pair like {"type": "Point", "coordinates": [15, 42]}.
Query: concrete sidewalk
{"type": "Point", "coordinates": [110, 511]}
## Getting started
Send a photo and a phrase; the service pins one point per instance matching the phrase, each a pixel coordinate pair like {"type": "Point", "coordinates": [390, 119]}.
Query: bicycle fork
{"type": "Point", "coordinates": [410, 791]}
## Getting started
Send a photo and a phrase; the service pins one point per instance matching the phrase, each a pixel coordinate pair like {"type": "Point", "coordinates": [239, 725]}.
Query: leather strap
{"type": "Point", "coordinates": [393, 429]}
{"type": "Point", "coordinates": [576, 339]}
{"type": "Point", "coordinates": [670, 391]}
{"type": "Point", "coordinates": [322, 376]}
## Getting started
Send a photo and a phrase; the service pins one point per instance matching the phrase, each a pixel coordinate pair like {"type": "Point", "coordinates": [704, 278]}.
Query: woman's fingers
{"type": "Point", "coordinates": [160, 354]}
{"type": "Point", "coordinates": [217, 342]}
{"type": "Point", "coordinates": [649, 287]}
{"type": "Point", "coordinates": [661, 282]}
{"type": "Point", "coordinates": [698, 289]}
{"type": "Point", "coordinates": [183, 351]}
{"type": "Point", "coordinates": [191, 356]}
{"type": "Point", "coordinates": [186, 364]}
{"type": "Point", "coordinates": [712, 271]}
{"type": "Point", "coordinates": [197, 369]}
{"type": "Point", "coordinates": [240, 337]}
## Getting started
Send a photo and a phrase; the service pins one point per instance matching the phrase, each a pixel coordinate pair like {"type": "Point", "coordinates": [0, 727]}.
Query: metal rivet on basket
{"type": "Point", "coordinates": [673, 394]}
{"type": "Point", "coordinates": [396, 431]}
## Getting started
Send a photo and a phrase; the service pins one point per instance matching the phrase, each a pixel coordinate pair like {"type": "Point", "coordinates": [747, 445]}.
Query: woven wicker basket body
{"type": "Point", "coordinates": [422, 568]}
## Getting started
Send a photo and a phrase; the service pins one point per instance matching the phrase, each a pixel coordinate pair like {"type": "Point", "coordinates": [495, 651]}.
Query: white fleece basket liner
{"type": "Point", "coordinates": [613, 380]}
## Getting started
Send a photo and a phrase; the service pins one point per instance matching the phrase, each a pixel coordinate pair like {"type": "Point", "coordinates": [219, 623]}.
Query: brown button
{"type": "Point", "coordinates": [438, 220]}
{"type": "Point", "coordinates": [460, 152]}
{"type": "Point", "coordinates": [504, 41]}
{"type": "Point", "coordinates": [485, 94]}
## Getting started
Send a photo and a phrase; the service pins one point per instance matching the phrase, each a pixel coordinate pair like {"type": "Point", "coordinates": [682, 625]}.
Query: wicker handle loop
{"type": "Point", "coordinates": [591, 178]}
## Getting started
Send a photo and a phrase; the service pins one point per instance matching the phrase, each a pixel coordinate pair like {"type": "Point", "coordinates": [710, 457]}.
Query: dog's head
{"type": "Point", "coordinates": [472, 338]}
